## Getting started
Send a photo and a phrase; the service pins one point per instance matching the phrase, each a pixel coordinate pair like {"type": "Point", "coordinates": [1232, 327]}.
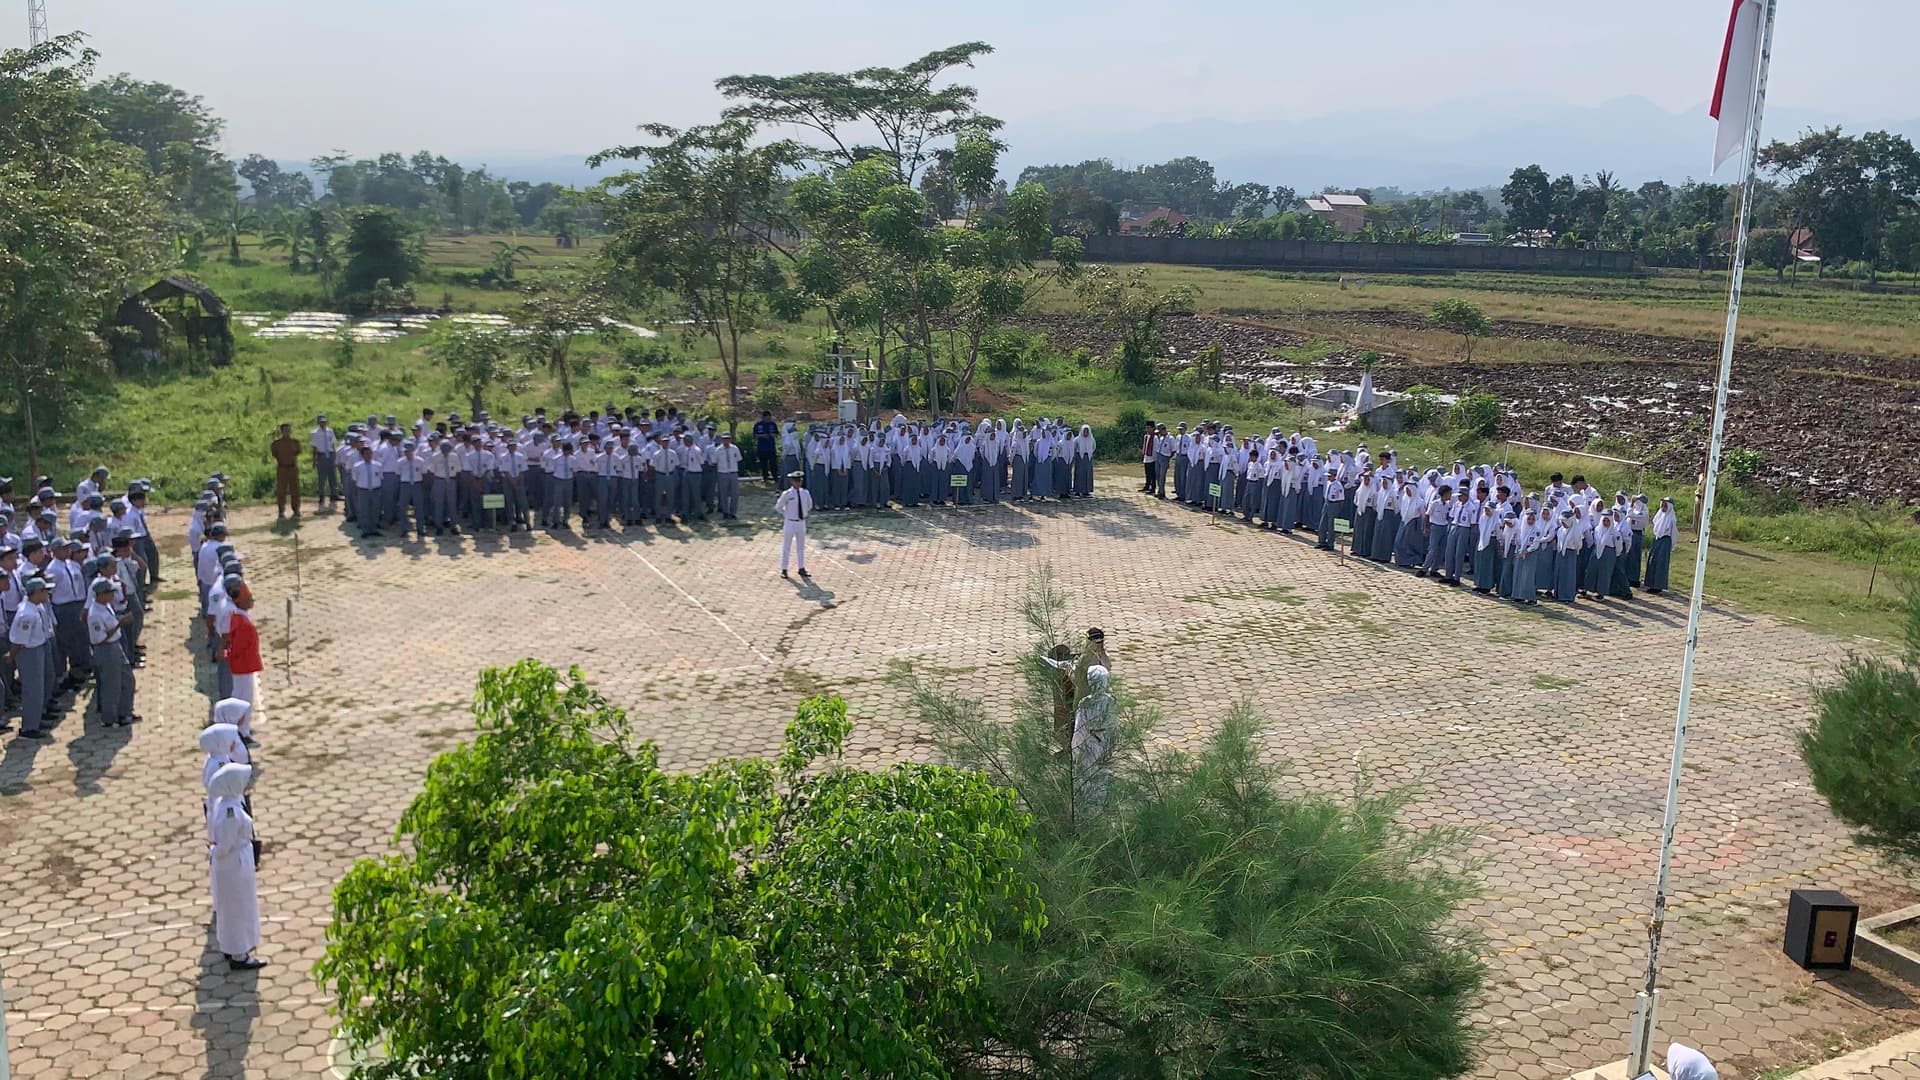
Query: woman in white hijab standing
{"type": "Point", "coordinates": [236, 899]}
{"type": "Point", "coordinates": [1083, 462]}
{"type": "Point", "coordinates": [1660, 549]}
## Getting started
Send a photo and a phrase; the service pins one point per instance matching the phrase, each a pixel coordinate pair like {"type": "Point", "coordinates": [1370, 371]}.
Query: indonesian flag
{"type": "Point", "coordinates": [1733, 90]}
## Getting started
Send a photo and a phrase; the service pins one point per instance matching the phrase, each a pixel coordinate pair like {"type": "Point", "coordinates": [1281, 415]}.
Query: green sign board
{"type": "Point", "coordinates": [493, 502]}
{"type": "Point", "coordinates": [1213, 490]}
{"type": "Point", "coordinates": [1341, 525]}
{"type": "Point", "coordinates": [959, 480]}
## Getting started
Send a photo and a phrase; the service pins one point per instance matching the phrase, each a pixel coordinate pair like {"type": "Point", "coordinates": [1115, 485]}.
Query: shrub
{"type": "Point", "coordinates": [562, 906]}
{"type": "Point", "coordinates": [1863, 747]}
{"type": "Point", "coordinates": [1120, 440]}
{"type": "Point", "coordinates": [1208, 920]}
{"type": "Point", "coordinates": [1010, 350]}
{"type": "Point", "coordinates": [768, 395]}
{"type": "Point", "coordinates": [1742, 464]}
{"type": "Point", "coordinates": [1422, 406]}
{"type": "Point", "coordinates": [1461, 317]}
{"type": "Point", "coordinates": [1477, 414]}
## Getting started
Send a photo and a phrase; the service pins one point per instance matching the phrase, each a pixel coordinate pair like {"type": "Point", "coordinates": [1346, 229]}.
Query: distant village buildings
{"type": "Point", "coordinates": [1347, 212]}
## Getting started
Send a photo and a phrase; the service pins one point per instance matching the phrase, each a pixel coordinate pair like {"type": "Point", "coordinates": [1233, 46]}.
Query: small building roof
{"type": "Point", "coordinates": [1337, 199]}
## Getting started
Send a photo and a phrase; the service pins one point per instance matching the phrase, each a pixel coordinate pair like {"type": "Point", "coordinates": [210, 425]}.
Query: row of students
{"type": "Point", "coordinates": [1481, 524]}
{"type": "Point", "coordinates": [72, 604]}
{"type": "Point", "coordinates": [940, 462]}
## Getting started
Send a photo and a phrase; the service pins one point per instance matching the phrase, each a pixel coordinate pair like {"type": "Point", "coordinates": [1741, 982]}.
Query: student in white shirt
{"type": "Point", "coordinates": [726, 464]}
{"type": "Point", "coordinates": [795, 506]}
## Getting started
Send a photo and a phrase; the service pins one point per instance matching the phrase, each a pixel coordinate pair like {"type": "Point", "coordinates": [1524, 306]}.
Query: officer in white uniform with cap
{"type": "Point", "coordinates": [795, 506]}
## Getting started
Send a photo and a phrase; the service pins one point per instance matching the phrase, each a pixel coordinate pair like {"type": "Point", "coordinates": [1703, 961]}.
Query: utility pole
{"type": "Point", "coordinates": [37, 22]}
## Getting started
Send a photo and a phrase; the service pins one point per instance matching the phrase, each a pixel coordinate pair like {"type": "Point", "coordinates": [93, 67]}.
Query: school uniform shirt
{"type": "Point", "coordinates": [220, 606]}
{"type": "Point", "coordinates": [560, 465]}
{"type": "Point", "coordinates": [32, 625]}
{"type": "Point", "coordinates": [511, 461]}
{"type": "Point", "coordinates": [794, 504]}
{"type": "Point", "coordinates": [69, 586]}
{"type": "Point", "coordinates": [103, 624]}
{"type": "Point", "coordinates": [366, 475]}
{"type": "Point", "coordinates": [388, 456]}
{"type": "Point", "coordinates": [726, 458]}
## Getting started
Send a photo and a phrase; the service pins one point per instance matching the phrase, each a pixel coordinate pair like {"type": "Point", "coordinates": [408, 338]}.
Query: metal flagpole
{"type": "Point", "coordinates": [1646, 1002]}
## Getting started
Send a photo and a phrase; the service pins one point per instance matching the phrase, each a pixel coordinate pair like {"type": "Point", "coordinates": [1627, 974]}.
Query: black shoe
{"type": "Point", "coordinates": [36, 736]}
{"type": "Point", "coordinates": [783, 575]}
{"type": "Point", "coordinates": [804, 574]}
{"type": "Point", "coordinates": [249, 740]}
{"type": "Point", "coordinates": [245, 963]}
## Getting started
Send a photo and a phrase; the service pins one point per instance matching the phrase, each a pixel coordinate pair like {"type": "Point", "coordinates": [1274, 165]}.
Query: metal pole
{"type": "Point", "coordinates": [1641, 1045]}
{"type": "Point", "coordinates": [289, 652]}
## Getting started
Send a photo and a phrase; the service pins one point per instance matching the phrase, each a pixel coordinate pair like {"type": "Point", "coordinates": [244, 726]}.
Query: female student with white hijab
{"type": "Point", "coordinates": [1083, 462]}
{"type": "Point", "coordinates": [1486, 550]}
{"type": "Point", "coordinates": [236, 899]}
{"type": "Point", "coordinates": [1660, 549]}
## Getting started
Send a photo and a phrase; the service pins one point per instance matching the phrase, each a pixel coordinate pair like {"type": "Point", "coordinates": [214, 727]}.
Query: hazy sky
{"type": "Point", "coordinates": [472, 78]}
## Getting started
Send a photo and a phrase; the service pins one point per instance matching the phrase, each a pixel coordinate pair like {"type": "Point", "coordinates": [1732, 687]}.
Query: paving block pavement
{"type": "Point", "coordinates": [1545, 731]}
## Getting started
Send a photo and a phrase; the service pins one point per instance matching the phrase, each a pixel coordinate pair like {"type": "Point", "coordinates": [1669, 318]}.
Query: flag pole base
{"type": "Point", "coordinates": [1618, 1071]}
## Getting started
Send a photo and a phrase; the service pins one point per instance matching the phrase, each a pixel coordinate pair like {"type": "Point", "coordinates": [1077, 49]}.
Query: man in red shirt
{"type": "Point", "coordinates": [243, 645]}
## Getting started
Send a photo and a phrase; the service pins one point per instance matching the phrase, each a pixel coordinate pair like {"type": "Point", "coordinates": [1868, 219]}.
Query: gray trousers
{"type": "Point", "coordinates": [727, 492]}
{"type": "Point", "coordinates": [1436, 548]}
{"type": "Point", "coordinates": [36, 684]}
{"type": "Point", "coordinates": [71, 653]}
{"type": "Point", "coordinates": [411, 499]}
{"type": "Point", "coordinates": [1458, 537]}
{"type": "Point", "coordinates": [326, 479]}
{"type": "Point", "coordinates": [113, 689]}
{"type": "Point", "coordinates": [442, 510]}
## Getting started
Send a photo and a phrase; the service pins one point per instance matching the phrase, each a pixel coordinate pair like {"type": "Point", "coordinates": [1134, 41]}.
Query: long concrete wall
{"type": "Point", "coordinates": [1324, 255]}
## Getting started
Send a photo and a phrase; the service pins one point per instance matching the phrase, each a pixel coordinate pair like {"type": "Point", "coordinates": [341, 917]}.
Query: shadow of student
{"type": "Point", "coordinates": [92, 755]}
{"type": "Point", "coordinates": [225, 1005]}
{"type": "Point", "coordinates": [16, 768]}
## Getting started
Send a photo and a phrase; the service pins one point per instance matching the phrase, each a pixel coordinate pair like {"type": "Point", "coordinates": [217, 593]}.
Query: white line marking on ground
{"type": "Point", "coordinates": [695, 601]}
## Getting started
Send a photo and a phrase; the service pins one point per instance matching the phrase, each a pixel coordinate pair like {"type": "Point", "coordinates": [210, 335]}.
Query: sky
{"type": "Point", "coordinates": [491, 79]}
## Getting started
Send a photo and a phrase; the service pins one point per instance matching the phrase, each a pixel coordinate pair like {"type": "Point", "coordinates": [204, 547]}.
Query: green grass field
{"type": "Point", "coordinates": [1812, 566]}
{"type": "Point", "coordinates": [1822, 316]}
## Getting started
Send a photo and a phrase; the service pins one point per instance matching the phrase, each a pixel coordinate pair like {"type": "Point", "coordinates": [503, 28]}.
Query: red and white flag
{"type": "Point", "coordinates": [1733, 91]}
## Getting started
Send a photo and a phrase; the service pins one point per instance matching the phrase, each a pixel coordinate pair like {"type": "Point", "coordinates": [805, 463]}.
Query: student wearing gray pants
{"type": "Point", "coordinates": [113, 688]}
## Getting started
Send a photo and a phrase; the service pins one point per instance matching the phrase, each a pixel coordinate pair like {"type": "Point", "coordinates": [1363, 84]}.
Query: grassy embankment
{"type": "Point", "coordinates": [1807, 565]}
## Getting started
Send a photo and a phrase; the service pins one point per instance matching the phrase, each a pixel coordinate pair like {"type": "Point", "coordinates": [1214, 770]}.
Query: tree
{"type": "Point", "coordinates": [233, 222]}
{"type": "Point", "coordinates": [1849, 190]}
{"type": "Point", "coordinates": [1771, 249]}
{"type": "Point", "coordinates": [1863, 747]}
{"type": "Point", "coordinates": [563, 906]}
{"type": "Point", "coordinates": [551, 316]}
{"type": "Point", "coordinates": [995, 271]}
{"type": "Point", "coordinates": [507, 256]}
{"type": "Point", "coordinates": [377, 249]}
{"type": "Point", "coordinates": [80, 218]}
{"type": "Point", "coordinates": [693, 224]}
{"type": "Point", "coordinates": [1528, 195]}
{"type": "Point", "coordinates": [176, 132]}
{"type": "Point", "coordinates": [1129, 305]}
{"type": "Point", "coordinates": [1460, 317]}
{"type": "Point", "coordinates": [899, 115]}
{"type": "Point", "coordinates": [477, 357]}
{"type": "Point", "coordinates": [318, 228]}
{"type": "Point", "coordinates": [1209, 918]}
{"type": "Point", "coordinates": [876, 232]}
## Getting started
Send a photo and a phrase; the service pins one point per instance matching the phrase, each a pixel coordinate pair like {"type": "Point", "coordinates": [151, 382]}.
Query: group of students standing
{"type": "Point", "coordinates": [440, 475]}
{"type": "Point", "coordinates": [1479, 524]}
{"type": "Point", "coordinates": [961, 462]}
{"type": "Point", "coordinates": [73, 600]}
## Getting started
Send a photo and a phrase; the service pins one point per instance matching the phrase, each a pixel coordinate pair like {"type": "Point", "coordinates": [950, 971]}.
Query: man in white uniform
{"type": "Point", "coordinates": [795, 505]}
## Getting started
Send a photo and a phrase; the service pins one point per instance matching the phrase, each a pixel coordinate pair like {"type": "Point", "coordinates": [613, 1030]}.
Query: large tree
{"type": "Point", "coordinates": [1528, 195]}
{"type": "Point", "coordinates": [564, 907]}
{"type": "Point", "coordinates": [695, 224]}
{"type": "Point", "coordinates": [178, 135]}
{"type": "Point", "coordinates": [377, 250]}
{"type": "Point", "coordinates": [1850, 190]}
{"type": "Point", "coordinates": [80, 223]}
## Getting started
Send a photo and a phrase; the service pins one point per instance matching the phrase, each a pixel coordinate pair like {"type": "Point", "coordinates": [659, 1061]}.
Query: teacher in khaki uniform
{"type": "Point", "coordinates": [286, 470]}
{"type": "Point", "coordinates": [795, 505]}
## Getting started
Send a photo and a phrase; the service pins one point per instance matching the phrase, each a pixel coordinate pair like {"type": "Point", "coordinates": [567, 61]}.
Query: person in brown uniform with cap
{"type": "Point", "coordinates": [286, 470]}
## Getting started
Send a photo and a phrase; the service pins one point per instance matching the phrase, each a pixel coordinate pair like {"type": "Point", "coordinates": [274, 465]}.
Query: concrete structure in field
{"type": "Point", "coordinates": [1347, 212]}
{"type": "Point", "coordinates": [1345, 255]}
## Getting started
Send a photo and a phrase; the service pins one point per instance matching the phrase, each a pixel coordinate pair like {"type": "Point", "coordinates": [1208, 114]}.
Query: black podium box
{"type": "Point", "coordinates": [1820, 925]}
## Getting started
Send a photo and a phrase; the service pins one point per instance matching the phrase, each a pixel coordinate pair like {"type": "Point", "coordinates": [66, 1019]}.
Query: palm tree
{"type": "Point", "coordinates": [507, 255]}
{"type": "Point", "coordinates": [287, 231]}
{"type": "Point", "coordinates": [238, 219]}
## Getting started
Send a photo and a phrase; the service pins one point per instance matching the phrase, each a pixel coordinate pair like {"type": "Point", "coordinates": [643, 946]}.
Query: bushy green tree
{"type": "Point", "coordinates": [1132, 307]}
{"type": "Point", "coordinates": [377, 249]}
{"type": "Point", "coordinates": [80, 221]}
{"type": "Point", "coordinates": [563, 907]}
{"type": "Point", "coordinates": [1461, 317]}
{"type": "Point", "coordinates": [1210, 920]}
{"type": "Point", "coordinates": [1863, 747]}
{"type": "Point", "coordinates": [477, 357]}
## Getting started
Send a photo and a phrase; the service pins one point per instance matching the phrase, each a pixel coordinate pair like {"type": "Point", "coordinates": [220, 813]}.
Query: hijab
{"type": "Point", "coordinates": [1686, 1063]}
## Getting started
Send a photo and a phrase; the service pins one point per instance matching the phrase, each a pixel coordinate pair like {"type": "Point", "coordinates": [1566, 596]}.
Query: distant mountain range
{"type": "Point", "coordinates": [1462, 144]}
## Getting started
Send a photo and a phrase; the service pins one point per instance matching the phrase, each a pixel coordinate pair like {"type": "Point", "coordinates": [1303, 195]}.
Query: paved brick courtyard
{"type": "Point", "coordinates": [1548, 732]}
